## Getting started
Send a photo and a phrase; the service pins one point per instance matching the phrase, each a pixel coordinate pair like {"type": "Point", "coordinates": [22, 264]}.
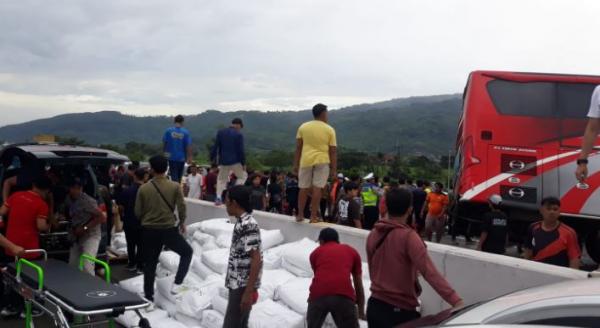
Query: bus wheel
{"type": "Point", "coordinates": [592, 245]}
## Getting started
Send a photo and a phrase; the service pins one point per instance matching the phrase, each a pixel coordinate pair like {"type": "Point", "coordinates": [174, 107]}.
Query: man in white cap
{"type": "Point", "coordinates": [494, 228]}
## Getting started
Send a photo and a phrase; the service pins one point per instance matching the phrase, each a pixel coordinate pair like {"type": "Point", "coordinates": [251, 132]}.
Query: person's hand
{"type": "Point", "coordinates": [458, 306]}
{"type": "Point", "coordinates": [581, 173]}
{"type": "Point", "coordinates": [361, 314]}
{"type": "Point", "coordinates": [17, 250]}
{"type": "Point", "coordinates": [182, 229]}
{"type": "Point", "coordinates": [246, 304]}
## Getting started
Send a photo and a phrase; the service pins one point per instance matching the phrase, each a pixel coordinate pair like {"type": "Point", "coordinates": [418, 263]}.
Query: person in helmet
{"type": "Point", "coordinates": [494, 229]}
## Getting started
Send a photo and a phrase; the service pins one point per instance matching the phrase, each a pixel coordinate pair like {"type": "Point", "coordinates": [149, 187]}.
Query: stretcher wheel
{"type": "Point", "coordinates": [144, 323]}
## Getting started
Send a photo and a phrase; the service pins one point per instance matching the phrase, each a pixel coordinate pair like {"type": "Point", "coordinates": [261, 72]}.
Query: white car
{"type": "Point", "coordinates": [574, 303]}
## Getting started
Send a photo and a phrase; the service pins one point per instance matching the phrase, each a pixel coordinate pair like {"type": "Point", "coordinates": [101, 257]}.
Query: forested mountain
{"type": "Point", "coordinates": [417, 125]}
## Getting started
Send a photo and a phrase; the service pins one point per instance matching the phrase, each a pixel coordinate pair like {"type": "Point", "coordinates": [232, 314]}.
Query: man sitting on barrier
{"type": "Point", "coordinates": [154, 207]}
{"type": "Point", "coordinates": [86, 219]}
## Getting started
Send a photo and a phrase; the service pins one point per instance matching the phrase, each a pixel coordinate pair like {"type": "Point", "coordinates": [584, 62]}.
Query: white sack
{"type": "Point", "coordinates": [194, 301]}
{"type": "Point", "coordinates": [217, 227]}
{"type": "Point", "coordinates": [216, 259]}
{"type": "Point", "coordinates": [202, 270]}
{"type": "Point", "coordinates": [169, 323]}
{"type": "Point", "coordinates": [164, 303]}
{"type": "Point", "coordinates": [272, 257]}
{"type": "Point", "coordinates": [224, 241]}
{"type": "Point", "coordinates": [212, 319]}
{"type": "Point", "coordinates": [270, 238]}
{"type": "Point", "coordinates": [134, 285]}
{"type": "Point", "coordinates": [296, 257]}
{"type": "Point", "coordinates": [269, 314]}
{"type": "Point", "coordinates": [169, 260]}
{"type": "Point", "coordinates": [271, 280]}
{"type": "Point", "coordinates": [219, 304]}
{"type": "Point", "coordinates": [294, 294]}
{"type": "Point", "coordinates": [187, 321]}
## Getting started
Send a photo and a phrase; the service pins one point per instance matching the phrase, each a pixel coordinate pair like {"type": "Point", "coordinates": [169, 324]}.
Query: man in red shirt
{"type": "Point", "coordinates": [396, 254]}
{"type": "Point", "coordinates": [331, 289]}
{"type": "Point", "coordinates": [27, 215]}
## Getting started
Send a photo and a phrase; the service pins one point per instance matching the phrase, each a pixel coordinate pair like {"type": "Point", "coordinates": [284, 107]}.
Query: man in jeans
{"type": "Point", "coordinates": [331, 289]}
{"type": "Point", "coordinates": [155, 206]}
{"type": "Point", "coordinates": [396, 254]}
{"type": "Point", "coordinates": [244, 269]}
{"type": "Point", "coordinates": [228, 153]}
{"type": "Point", "coordinates": [314, 160]}
{"type": "Point", "coordinates": [86, 219]}
{"type": "Point", "coordinates": [177, 146]}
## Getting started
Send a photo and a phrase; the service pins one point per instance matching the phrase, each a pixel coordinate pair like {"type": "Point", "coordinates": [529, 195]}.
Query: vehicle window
{"type": "Point", "coordinates": [583, 322]}
{"type": "Point", "coordinates": [541, 99]}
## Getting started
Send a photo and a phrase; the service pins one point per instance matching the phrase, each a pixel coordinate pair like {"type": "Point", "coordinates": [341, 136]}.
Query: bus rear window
{"type": "Point", "coordinates": [541, 99]}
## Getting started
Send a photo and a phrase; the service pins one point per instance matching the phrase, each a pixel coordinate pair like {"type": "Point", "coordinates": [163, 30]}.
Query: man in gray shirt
{"type": "Point", "coordinates": [86, 218]}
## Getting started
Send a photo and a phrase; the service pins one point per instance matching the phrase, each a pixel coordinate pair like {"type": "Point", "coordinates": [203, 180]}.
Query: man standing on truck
{"type": "Point", "coordinates": [228, 152]}
{"type": "Point", "coordinates": [550, 241]}
{"type": "Point", "coordinates": [315, 159]}
{"type": "Point", "coordinates": [177, 146]}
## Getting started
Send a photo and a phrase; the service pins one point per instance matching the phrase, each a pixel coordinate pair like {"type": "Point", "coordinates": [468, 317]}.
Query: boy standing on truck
{"type": "Point", "coordinates": [550, 241]}
{"type": "Point", "coordinates": [494, 229]}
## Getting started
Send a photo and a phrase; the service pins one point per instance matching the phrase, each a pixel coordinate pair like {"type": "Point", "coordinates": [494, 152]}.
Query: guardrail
{"type": "Point", "coordinates": [476, 276]}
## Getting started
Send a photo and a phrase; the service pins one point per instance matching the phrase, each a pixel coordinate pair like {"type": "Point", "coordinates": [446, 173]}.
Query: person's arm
{"type": "Point", "coordinates": [482, 238]}
{"type": "Point", "coordinates": [139, 205]}
{"type": "Point", "coordinates": [181, 210]}
{"type": "Point", "coordinates": [528, 247]}
{"type": "Point", "coordinates": [298, 152]}
{"type": "Point", "coordinates": [4, 209]}
{"type": "Point", "coordinates": [333, 159]}
{"type": "Point", "coordinates": [589, 139]}
{"type": "Point", "coordinates": [251, 240]}
{"type": "Point", "coordinates": [11, 247]}
{"type": "Point", "coordinates": [242, 151]}
{"type": "Point", "coordinates": [574, 252]}
{"type": "Point", "coordinates": [358, 286]}
{"type": "Point", "coordinates": [7, 186]}
{"type": "Point", "coordinates": [419, 256]}
{"type": "Point", "coordinates": [214, 151]}
{"type": "Point", "coordinates": [42, 225]}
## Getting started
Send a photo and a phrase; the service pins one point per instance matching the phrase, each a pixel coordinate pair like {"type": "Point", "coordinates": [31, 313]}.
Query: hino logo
{"type": "Point", "coordinates": [516, 193]}
{"type": "Point", "coordinates": [516, 165]}
{"type": "Point", "coordinates": [514, 180]}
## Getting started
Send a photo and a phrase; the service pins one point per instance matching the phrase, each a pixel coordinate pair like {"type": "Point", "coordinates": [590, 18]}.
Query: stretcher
{"type": "Point", "coordinates": [57, 288]}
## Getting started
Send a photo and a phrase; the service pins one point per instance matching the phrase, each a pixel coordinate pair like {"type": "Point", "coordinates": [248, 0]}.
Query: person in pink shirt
{"type": "Point", "coordinates": [396, 254]}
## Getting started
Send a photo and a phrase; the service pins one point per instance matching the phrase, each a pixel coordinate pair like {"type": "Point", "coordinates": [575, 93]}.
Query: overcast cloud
{"type": "Point", "coordinates": [152, 57]}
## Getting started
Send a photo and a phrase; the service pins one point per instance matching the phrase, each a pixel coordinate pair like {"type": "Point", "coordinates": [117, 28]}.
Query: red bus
{"type": "Point", "coordinates": [519, 137]}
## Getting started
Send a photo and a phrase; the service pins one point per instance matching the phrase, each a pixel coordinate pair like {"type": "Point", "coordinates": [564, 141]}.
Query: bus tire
{"type": "Point", "coordinates": [592, 245]}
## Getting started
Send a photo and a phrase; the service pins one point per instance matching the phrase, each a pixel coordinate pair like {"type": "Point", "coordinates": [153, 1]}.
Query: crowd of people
{"type": "Point", "coordinates": [399, 214]}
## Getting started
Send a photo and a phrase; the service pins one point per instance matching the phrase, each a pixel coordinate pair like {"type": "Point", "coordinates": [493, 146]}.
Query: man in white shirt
{"type": "Point", "coordinates": [589, 138]}
{"type": "Point", "coordinates": [194, 183]}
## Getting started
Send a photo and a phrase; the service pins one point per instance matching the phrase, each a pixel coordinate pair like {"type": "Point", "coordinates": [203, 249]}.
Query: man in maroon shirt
{"type": "Point", "coordinates": [331, 289]}
{"type": "Point", "coordinates": [396, 253]}
{"type": "Point", "coordinates": [211, 184]}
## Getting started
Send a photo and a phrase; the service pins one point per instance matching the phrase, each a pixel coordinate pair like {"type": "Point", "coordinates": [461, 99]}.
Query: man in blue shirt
{"type": "Point", "coordinates": [177, 145]}
{"type": "Point", "coordinates": [228, 153]}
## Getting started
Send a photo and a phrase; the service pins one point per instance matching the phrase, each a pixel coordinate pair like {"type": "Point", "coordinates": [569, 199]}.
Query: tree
{"type": "Point", "coordinates": [71, 141]}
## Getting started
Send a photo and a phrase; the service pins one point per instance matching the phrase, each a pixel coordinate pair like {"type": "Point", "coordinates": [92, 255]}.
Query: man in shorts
{"type": "Point", "coordinates": [436, 204]}
{"type": "Point", "coordinates": [315, 159]}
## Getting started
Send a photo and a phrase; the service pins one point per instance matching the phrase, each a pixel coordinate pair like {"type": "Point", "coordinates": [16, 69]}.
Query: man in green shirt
{"type": "Point", "coordinates": [155, 207]}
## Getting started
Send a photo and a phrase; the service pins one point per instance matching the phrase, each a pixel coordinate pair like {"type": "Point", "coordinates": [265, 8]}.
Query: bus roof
{"type": "Point", "coordinates": [539, 77]}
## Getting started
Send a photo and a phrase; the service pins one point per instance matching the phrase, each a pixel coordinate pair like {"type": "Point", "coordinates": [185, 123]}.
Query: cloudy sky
{"type": "Point", "coordinates": [152, 57]}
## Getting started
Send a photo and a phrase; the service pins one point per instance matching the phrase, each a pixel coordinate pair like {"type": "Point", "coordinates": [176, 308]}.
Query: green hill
{"type": "Point", "coordinates": [418, 125]}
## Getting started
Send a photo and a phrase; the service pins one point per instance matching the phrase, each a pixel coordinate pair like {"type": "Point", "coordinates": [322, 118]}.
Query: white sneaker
{"type": "Point", "coordinates": [178, 289]}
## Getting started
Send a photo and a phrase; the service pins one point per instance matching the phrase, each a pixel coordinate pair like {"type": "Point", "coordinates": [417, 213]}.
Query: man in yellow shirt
{"type": "Point", "coordinates": [315, 160]}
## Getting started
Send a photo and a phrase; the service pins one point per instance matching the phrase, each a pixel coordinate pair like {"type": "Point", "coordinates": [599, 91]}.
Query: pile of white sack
{"type": "Point", "coordinates": [284, 288]}
{"type": "Point", "coordinates": [118, 244]}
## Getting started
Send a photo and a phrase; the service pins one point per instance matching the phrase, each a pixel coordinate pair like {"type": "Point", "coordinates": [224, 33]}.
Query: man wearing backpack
{"type": "Point", "coordinates": [155, 206]}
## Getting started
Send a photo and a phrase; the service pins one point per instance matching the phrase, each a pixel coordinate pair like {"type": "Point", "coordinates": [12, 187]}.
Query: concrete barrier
{"type": "Point", "coordinates": [476, 276]}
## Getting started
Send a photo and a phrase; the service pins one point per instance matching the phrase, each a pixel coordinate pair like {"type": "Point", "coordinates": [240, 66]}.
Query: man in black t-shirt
{"type": "Point", "coordinates": [419, 197]}
{"type": "Point", "coordinates": [494, 229]}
